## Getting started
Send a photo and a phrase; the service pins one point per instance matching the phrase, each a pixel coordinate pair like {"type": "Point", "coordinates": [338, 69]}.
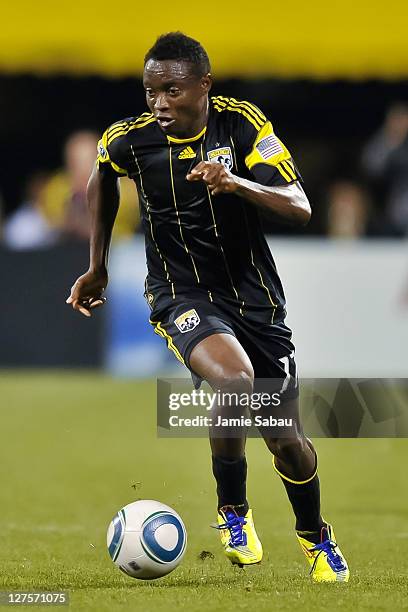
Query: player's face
{"type": "Point", "coordinates": [176, 96]}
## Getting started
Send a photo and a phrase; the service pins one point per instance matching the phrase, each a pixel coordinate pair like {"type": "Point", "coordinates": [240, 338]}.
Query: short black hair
{"type": "Point", "coordinates": [178, 46]}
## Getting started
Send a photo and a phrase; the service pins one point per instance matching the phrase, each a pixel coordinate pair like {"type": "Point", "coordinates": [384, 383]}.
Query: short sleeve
{"type": "Point", "coordinates": [110, 152]}
{"type": "Point", "coordinates": [266, 157]}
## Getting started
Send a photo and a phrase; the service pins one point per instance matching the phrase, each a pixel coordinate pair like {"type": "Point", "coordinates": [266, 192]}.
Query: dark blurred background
{"type": "Point", "coordinates": [326, 124]}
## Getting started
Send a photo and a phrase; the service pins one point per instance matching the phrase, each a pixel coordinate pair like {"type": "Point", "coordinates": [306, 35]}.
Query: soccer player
{"type": "Point", "coordinates": [203, 167]}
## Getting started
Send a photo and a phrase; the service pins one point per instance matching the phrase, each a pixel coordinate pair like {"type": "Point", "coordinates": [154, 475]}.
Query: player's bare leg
{"type": "Point", "coordinates": [222, 362]}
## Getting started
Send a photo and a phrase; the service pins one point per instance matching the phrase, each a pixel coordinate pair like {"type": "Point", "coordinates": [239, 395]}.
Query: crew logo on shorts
{"type": "Point", "coordinates": [187, 321]}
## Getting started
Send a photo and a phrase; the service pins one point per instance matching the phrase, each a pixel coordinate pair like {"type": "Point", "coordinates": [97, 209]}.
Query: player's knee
{"type": "Point", "coordinates": [287, 449]}
{"type": "Point", "coordinates": [234, 380]}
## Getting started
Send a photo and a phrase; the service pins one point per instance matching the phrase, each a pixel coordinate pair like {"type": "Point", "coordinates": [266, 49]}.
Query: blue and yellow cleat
{"type": "Point", "coordinates": [326, 559]}
{"type": "Point", "coordinates": [238, 536]}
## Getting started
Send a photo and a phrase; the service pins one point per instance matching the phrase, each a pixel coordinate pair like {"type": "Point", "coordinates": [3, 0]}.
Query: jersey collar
{"type": "Point", "coordinates": [182, 140]}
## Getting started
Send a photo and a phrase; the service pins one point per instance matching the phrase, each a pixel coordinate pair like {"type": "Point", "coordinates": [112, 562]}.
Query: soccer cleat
{"type": "Point", "coordinates": [238, 536]}
{"type": "Point", "coordinates": [326, 559]}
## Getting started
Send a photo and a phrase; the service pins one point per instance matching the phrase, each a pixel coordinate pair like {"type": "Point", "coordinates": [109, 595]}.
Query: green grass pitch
{"type": "Point", "coordinates": [77, 447]}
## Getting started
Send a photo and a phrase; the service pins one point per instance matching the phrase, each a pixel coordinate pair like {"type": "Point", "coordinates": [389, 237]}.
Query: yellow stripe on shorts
{"type": "Point", "coordinates": [158, 329]}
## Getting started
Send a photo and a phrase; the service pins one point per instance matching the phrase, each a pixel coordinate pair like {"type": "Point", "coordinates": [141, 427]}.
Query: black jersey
{"type": "Point", "coordinates": [195, 241]}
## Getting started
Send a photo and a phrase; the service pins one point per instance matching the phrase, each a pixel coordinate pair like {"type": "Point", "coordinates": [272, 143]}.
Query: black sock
{"type": "Point", "coordinates": [230, 475]}
{"type": "Point", "coordinates": [305, 500]}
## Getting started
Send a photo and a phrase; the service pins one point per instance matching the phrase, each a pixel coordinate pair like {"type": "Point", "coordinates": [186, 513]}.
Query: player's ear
{"type": "Point", "coordinates": [206, 83]}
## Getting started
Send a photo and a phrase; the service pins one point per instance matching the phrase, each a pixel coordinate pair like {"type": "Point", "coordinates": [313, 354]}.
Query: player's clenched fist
{"type": "Point", "coordinates": [86, 292]}
{"type": "Point", "coordinates": [217, 178]}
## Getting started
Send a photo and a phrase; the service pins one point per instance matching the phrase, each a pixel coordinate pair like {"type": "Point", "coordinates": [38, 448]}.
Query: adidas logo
{"type": "Point", "coordinates": [187, 153]}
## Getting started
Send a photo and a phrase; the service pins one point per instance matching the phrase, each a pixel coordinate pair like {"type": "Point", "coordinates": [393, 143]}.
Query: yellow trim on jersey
{"type": "Point", "coordinates": [234, 156]}
{"type": "Point", "coordinates": [123, 125]}
{"type": "Point", "coordinates": [113, 132]}
{"type": "Point", "coordinates": [274, 306]}
{"type": "Point", "coordinates": [283, 173]}
{"type": "Point", "coordinates": [118, 169]}
{"type": "Point", "coordinates": [158, 329]}
{"type": "Point", "coordinates": [248, 106]}
{"type": "Point", "coordinates": [291, 164]}
{"type": "Point", "coordinates": [299, 482]}
{"type": "Point", "coordinates": [177, 212]}
{"type": "Point", "coordinates": [289, 169]}
{"type": "Point", "coordinates": [219, 242]}
{"type": "Point", "coordinates": [103, 158]}
{"type": "Point", "coordinates": [268, 293]}
{"type": "Point", "coordinates": [254, 108]}
{"type": "Point", "coordinates": [221, 106]}
{"type": "Point", "coordinates": [181, 140]}
{"type": "Point", "coordinates": [122, 131]}
{"type": "Point", "coordinates": [151, 222]}
{"type": "Point", "coordinates": [118, 127]}
{"type": "Point", "coordinates": [128, 128]}
{"type": "Point", "coordinates": [251, 108]}
{"type": "Point", "coordinates": [255, 157]}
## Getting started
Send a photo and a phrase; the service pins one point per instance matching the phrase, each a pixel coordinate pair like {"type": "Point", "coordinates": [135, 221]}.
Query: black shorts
{"type": "Point", "coordinates": [185, 321]}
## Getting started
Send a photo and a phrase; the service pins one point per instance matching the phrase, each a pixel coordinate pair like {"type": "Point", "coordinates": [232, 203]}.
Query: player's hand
{"type": "Point", "coordinates": [86, 292]}
{"type": "Point", "coordinates": [217, 178]}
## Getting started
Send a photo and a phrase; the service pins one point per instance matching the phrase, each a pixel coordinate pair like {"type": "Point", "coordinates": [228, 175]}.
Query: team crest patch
{"type": "Point", "coordinates": [222, 156]}
{"type": "Point", "coordinates": [187, 321]}
{"type": "Point", "coordinates": [269, 146]}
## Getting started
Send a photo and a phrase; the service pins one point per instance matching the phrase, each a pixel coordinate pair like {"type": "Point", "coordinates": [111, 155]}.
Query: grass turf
{"type": "Point", "coordinates": [77, 447]}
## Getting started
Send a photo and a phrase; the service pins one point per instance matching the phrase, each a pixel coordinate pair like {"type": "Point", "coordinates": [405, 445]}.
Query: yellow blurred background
{"type": "Point", "coordinates": [318, 39]}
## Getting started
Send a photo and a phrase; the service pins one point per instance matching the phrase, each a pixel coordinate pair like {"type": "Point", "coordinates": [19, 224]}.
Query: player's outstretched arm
{"type": "Point", "coordinates": [103, 201]}
{"type": "Point", "coordinates": [289, 202]}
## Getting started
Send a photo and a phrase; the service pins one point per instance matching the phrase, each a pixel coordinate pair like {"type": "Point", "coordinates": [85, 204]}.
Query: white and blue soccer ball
{"type": "Point", "coordinates": [146, 539]}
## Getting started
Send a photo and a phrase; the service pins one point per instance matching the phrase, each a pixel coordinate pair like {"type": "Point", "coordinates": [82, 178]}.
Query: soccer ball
{"type": "Point", "coordinates": [146, 539]}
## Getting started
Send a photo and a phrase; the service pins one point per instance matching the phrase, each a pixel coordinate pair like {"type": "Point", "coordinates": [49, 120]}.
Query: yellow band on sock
{"type": "Point", "coordinates": [299, 482]}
